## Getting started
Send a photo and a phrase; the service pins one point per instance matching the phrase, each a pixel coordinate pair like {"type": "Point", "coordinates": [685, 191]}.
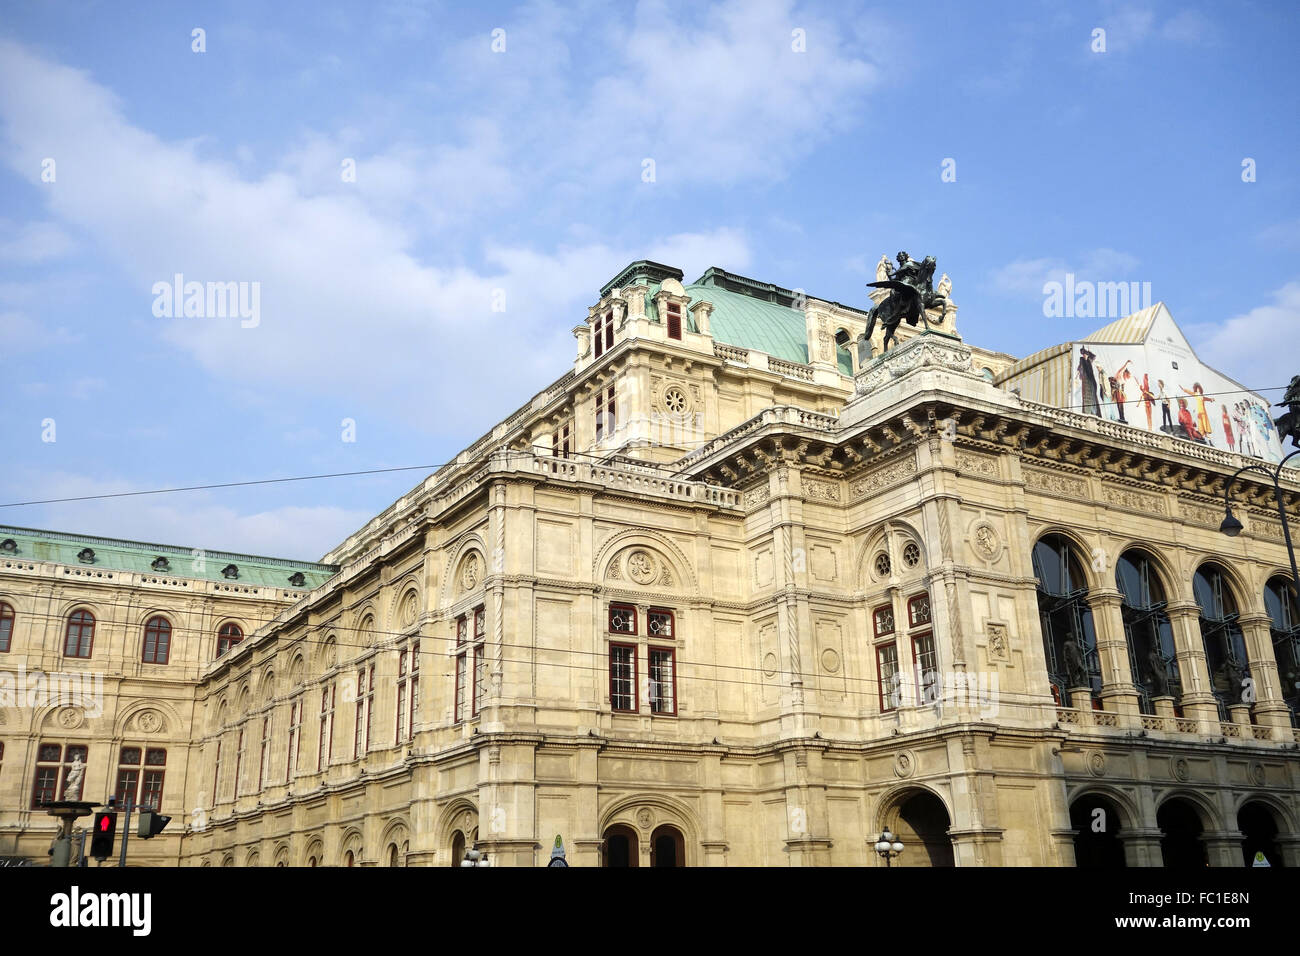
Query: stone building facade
{"type": "Point", "coordinates": [729, 592]}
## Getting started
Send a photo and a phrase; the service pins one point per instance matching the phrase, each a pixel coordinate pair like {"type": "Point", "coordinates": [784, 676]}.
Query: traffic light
{"type": "Point", "coordinates": [151, 824]}
{"type": "Point", "coordinates": [101, 840]}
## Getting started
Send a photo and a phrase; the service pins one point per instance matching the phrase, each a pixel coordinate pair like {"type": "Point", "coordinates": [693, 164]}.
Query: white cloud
{"type": "Point", "coordinates": [188, 519]}
{"type": "Point", "coordinates": [345, 305]}
{"type": "Point", "coordinates": [1237, 346]}
{"type": "Point", "coordinates": [32, 242]}
{"type": "Point", "coordinates": [1025, 278]}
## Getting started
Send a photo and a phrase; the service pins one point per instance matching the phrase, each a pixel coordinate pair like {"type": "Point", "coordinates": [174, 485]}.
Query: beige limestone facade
{"type": "Point", "coordinates": [701, 603]}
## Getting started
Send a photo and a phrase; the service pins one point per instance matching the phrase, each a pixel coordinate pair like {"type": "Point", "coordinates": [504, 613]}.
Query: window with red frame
{"type": "Point", "coordinates": [326, 742]}
{"type": "Point", "coordinates": [80, 635]}
{"type": "Point", "coordinates": [561, 443]}
{"type": "Point", "coordinates": [929, 682]}
{"type": "Point", "coordinates": [228, 637]}
{"type": "Point", "coordinates": [659, 623]}
{"type": "Point", "coordinates": [157, 641]}
{"type": "Point", "coordinates": [239, 761]}
{"type": "Point", "coordinates": [295, 737]}
{"type": "Point", "coordinates": [469, 683]}
{"type": "Point", "coordinates": [415, 689]}
{"type": "Point", "coordinates": [674, 320]}
{"type": "Point", "coordinates": [6, 626]}
{"type": "Point", "coordinates": [883, 620]}
{"type": "Point", "coordinates": [144, 788]}
{"type": "Point", "coordinates": [365, 711]}
{"type": "Point", "coordinates": [622, 619]}
{"type": "Point", "coordinates": [663, 681]}
{"type": "Point", "coordinates": [622, 677]}
{"type": "Point", "coordinates": [53, 762]}
{"type": "Point", "coordinates": [918, 611]}
{"type": "Point", "coordinates": [264, 761]}
{"type": "Point", "coordinates": [401, 697]}
{"type": "Point", "coordinates": [887, 674]}
{"type": "Point", "coordinates": [605, 413]}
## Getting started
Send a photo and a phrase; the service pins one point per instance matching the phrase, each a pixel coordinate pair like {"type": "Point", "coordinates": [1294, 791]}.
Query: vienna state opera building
{"type": "Point", "coordinates": [740, 588]}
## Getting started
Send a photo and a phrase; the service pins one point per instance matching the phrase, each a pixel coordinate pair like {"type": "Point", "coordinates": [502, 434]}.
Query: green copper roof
{"type": "Point", "coordinates": [117, 555]}
{"type": "Point", "coordinates": [752, 323]}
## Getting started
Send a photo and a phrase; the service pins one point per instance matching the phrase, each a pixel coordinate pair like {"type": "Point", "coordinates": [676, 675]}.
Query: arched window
{"type": "Point", "coordinates": [1151, 653]}
{"type": "Point", "coordinates": [1225, 646]}
{"type": "Point", "coordinates": [1069, 641]}
{"type": "Point", "coordinates": [228, 637]}
{"type": "Point", "coordinates": [348, 858]}
{"type": "Point", "coordinates": [6, 626]}
{"type": "Point", "coordinates": [157, 641]}
{"type": "Point", "coordinates": [80, 636]}
{"type": "Point", "coordinates": [1280, 600]}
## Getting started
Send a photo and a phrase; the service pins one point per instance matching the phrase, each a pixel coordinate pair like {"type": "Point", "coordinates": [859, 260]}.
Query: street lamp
{"type": "Point", "coordinates": [475, 858]}
{"type": "Point", "coordinates": [888, 846]}
{"type": "Point", "coordinates": [1231, 526]}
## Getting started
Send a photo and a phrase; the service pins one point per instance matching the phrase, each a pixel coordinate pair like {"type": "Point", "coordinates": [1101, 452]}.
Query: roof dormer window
{"type": "Point", "coordinates": [160, 564]}
{"type": "Point", "coordinates": [603, 340]}
{"type": "Point", "coordinates": [674, 321]}
{"type": "Point", "coordinates": [9, 546]}
{"type": "Point", "coordinates": [86, 556]}
{"type": "Point", "coordinates": [297, 579]}
{"type": "Point", "coordinates": [230, 571]}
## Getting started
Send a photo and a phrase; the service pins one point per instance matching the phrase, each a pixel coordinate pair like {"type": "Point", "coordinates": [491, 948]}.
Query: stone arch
{"type": "Point", "coordinates": [674, 558]}
{"type": "Point", "coordinates": [453, 819]}
{"type": "Point", "coordinates": [909, 811]}
{"type": "Point", "coordinates": [1208, 812]}
{"type": "Point", "coordinates": [171, 719]}
{"type": "Point", "coordinates": [395, 836]}
{"type": "Point", "coordinates": [327, 655]}
{"type": "Point", "coordinates": [1286, 816]}
{"type": "Point", "coordinates": [252, 859]}
{"type": "Point", "coordinates": [315, 848]}
{"type": "Point", "coordinates": [472, 541]}
{"type": "Point", "coordinates": [266, 685]}
{"type": "Point", "coordinates": [1260, 824]}
{"type": "Point", "coordinates": [877, 541]}
{"type": "Point", "coordinates": [1098, 840]}
{"type": "Point", "coordinates": [281, 855]}
{"type": "Point", "coordinates": [297, 670]}
{"type": "Point", "coordinates": [1238, 584]}
{"type": "Point", "coordinates": [1083, 550]}
{"type": "Point", "coordinates": [1182, 839]}
{"type": "Point", "coordinates": [407, 585]}
{"type": "Point", "coordinates": [662, 809]}
{"type": "Point", "coordinates": [366, 631]}
{"type": "Point", "coordinates": [1130, 815]}
{"type": "Point", "coordinates": [1169, 573]}
{"type": "Point", "coordinates": [351, 843]}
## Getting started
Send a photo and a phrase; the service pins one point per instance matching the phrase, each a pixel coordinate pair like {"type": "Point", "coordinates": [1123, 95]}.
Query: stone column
{"type": "Point", "coordinates": [1223, 848]}
{"type": "Point", "coordinates": [1270, 708]}
{"type": "Point", "coordinates": [1198, 700]}
{"type": "Point", "coordinates": [1142, 847]}
{"type": "Point", "coordinates": [1118, 692]}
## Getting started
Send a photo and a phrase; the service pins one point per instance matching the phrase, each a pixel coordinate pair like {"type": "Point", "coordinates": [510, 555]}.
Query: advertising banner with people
{"type": "Point", "coordinates": [1160, 385]}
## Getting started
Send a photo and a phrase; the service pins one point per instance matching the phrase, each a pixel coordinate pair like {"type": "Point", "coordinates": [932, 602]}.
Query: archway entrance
{"type": "Point", "coordinates": [667, 847]}
{"type": "Point", "coordinates": [621, 847]}
{"type": "Point", "coordinates": [1258, 827]}
{"type": "Point", "coordinates": [1096, 832]}
{"type": "Point", "coordinates": [457, 848]}
{"type": "Point", "coordinates": [1180, 844]}
{"type": "Point", "coordinates": [923, 829]}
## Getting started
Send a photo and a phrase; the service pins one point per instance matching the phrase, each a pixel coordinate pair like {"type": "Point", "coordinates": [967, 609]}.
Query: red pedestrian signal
{"type": "Point", "coordinates": [101, 839]}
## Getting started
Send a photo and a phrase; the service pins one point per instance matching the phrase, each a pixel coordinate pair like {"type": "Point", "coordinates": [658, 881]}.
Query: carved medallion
{"type": "Point", "coordinates": [1097, 763]}
{"type": "Point", "coordinates": [70, 718]}
{"type": "Point", "coordinates": [830, 660]}
{"type": "Point", "coordinates": [1257, 773]}
{"type": "Point", "coordinates": [469, 572]}
{"type": "Point", "coordinates": [769, 665]}
{"type": "Point", "coordinates": [641, 567]}
{"type": "Point", "coordinates": [149, 721]}
{"type": "Point", "coordinates": [1180, 769]}
{"type": "Point", "coordinates": [904, 764]}
{"type": "Point", "coordinates": [645, 818]}
{"type": "Point", "coordinates": [987, 543]}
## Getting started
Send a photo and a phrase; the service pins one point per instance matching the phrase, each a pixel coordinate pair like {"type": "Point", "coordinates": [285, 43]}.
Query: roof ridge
{"type": "Point", "coordinates": [170, 548]}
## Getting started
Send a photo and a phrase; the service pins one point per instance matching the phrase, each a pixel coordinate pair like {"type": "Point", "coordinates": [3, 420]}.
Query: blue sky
{"type": "Point", "coordinates": [521, 171]}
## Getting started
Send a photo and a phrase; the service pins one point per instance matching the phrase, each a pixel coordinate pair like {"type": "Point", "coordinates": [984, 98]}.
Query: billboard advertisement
{"type": "Point", "coordinates": [1160, 385]}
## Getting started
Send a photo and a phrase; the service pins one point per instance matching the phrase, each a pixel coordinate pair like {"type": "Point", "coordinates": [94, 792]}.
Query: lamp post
{"type": "Point", "coordinates": [1231, 526]}
{"type": "Point", "coordinates": [888, 846]}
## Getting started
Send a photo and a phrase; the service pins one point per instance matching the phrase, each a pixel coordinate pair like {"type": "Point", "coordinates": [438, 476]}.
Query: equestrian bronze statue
{"type": "Point", "coordinates": [911, 293]}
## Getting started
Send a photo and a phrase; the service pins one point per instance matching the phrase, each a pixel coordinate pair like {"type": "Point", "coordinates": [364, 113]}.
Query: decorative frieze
{"type": "Point", "coordinates": [973, 464]}
{"type": "Point", "coordinates": [1067, 486]}
{"type": "Point", "coordinates": [882, 477]}
{"type": "Point", "coordinates": [1136, 500]}
{"type": "Point", "coordinates": [815, 490]}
